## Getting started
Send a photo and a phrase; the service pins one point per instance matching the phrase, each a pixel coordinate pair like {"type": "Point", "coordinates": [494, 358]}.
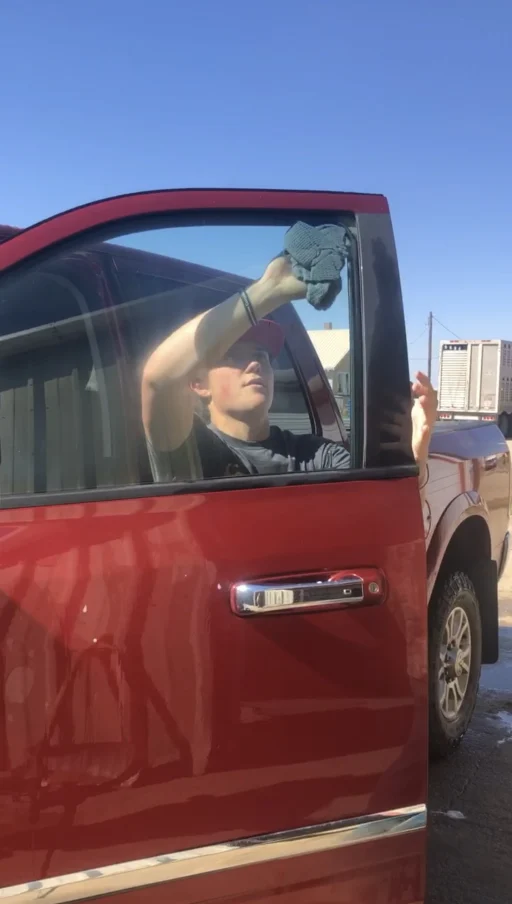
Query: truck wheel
{"type": "Point", "coordinates": [455, 658]}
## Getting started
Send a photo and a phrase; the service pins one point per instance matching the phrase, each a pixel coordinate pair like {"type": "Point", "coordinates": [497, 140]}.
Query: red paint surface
{"type": "Point", "coordinates": [142, 716]}
{"type": "Point", "coordinates": [73, 222]}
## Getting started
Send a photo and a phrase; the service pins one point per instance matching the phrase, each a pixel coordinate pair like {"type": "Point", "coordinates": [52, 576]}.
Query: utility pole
{"type": "Point", "coordinates": [429, 356]}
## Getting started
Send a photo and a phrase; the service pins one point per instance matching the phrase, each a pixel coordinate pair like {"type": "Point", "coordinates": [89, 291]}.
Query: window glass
{"type": "Point", "coordinates": [289, 409]}
{"type": "Point", "coordinates": [111, 376]}
{"type": "Point", "coordinates": [62, 425]}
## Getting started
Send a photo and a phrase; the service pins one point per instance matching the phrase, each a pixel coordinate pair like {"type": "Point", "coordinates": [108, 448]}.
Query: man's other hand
{"type": "Point", "coordinates": [424, 414]}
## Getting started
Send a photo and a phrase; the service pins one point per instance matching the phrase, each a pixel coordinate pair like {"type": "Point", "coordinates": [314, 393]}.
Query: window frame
{"type": "Point", "coordinates": [361, 320]}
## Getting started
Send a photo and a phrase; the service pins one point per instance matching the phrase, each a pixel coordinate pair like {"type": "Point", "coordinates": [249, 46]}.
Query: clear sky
{"type": "Point", "coordinates": [407, 98]}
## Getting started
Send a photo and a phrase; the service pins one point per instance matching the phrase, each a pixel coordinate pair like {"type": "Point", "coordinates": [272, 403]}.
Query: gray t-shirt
{"type": "Point", "coordinates": [209, 453]}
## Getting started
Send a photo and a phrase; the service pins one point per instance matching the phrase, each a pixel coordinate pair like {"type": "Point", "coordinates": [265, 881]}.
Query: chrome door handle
{"type": "Point", "coordinates": [341, 589]}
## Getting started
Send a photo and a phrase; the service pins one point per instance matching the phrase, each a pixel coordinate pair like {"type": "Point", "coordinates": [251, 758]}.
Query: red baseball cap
{"type": "Point", "coordinates": [267, 334]}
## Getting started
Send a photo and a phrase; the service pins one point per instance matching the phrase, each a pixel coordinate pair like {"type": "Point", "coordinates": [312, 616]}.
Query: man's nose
{"type": "Point", "coordinates": [254, 366]}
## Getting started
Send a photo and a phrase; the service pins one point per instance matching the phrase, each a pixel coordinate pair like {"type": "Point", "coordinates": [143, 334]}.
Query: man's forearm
{"type": "Point", "coordinates": [208, 336]}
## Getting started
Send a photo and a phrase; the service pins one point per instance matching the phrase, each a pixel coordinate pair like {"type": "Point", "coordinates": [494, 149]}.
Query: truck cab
{"type": "Point", "coordinates": [216, 686]}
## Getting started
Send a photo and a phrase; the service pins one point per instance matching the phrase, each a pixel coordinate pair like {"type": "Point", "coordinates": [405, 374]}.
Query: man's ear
{"type": "Point", "coordinates": [199, 384]}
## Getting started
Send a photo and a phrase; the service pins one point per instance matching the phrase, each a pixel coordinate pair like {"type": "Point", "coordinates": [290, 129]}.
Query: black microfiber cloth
{"type": "Point", "coordinates": [318, 255]}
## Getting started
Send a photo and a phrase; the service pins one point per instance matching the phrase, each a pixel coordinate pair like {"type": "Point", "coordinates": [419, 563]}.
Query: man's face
{"type": "Point", "coordinates": [241, 383]}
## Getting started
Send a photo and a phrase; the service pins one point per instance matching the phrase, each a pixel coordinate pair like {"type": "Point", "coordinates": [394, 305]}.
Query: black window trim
{"type": "Point", "coordinates": [199, 487]}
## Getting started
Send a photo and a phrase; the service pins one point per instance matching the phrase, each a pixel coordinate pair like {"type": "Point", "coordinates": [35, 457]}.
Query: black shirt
{"type": "Point", "coordinates": [209, 453]}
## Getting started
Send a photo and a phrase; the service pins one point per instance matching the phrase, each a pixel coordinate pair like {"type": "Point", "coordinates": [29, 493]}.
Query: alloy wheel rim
{"type": "Point", "coordinates": [454, 665]}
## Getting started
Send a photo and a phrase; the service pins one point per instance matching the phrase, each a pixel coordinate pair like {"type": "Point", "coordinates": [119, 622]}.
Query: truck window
{"type": "Point", "coordinates": [77, 331]}
{"type": "Point", "coordinates": [63, 423]}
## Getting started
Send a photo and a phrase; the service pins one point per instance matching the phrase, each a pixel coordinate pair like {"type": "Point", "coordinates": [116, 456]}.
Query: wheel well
{"type": "Point", "coordinates": [469, 550]}
{"type": "Point", "coordinates": [471, 541]}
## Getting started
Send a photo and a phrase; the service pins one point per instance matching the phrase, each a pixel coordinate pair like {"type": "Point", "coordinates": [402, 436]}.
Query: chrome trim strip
{"type": "Point", "coordinates": [122, 877]}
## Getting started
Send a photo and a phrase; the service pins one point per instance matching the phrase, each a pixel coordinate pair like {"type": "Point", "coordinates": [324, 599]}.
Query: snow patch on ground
{"type": "Point", "coordinates": [505, 719]}
{"type": "Point", "coordinates": [451, 814]}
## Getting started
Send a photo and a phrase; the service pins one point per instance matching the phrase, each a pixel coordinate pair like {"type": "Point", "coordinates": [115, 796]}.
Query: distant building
{"type": "Point", "coordinates": [333, 349]}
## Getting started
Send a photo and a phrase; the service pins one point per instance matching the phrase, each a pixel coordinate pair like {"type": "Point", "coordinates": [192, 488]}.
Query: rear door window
{"type": "Point", "coordinates": [64, 421]}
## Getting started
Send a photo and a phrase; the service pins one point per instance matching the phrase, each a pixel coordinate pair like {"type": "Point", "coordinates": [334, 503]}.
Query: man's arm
{"type": "Point", "coordinates": [424, 414]}
{"type": "Point", "coordinates": [167, 402]}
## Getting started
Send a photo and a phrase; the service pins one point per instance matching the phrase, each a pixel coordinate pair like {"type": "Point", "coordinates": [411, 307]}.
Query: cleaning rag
{"type": "Point", "coordinates": [318, 255]}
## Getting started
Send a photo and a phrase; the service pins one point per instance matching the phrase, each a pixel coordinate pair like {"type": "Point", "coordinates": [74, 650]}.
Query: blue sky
{"type": "Point", "coordinates": [409, 99]}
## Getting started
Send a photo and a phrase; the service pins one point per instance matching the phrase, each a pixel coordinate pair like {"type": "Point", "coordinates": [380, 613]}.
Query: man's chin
{"type": "Point", "coordinates": [258, 407]}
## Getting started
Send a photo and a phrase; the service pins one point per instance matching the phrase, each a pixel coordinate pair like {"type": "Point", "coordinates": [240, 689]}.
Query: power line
{"type": "Point", "coordinates": [429, 362]}
{"type": "Point", "coordinates": [445, 327]}
{"type": "Point", "coordinates": [429, 357]}
{"type": "Point", "coordinates": [419, 337]}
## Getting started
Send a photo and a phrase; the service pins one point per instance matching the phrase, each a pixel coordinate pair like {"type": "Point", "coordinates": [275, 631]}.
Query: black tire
{"type": "Point", "coordinates": [456, 590]}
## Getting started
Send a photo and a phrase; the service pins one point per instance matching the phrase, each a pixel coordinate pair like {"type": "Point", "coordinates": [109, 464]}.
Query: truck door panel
{"type": "Point", "coordinates": [157, 741]}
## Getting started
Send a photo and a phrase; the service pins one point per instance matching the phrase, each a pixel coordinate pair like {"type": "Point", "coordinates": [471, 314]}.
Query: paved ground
{"type": "Point", "coordinates": [470, 844]}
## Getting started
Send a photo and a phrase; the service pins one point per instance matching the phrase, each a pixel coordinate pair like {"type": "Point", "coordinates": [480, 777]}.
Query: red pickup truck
{"type": "Point", "coordinates": [217, 687]}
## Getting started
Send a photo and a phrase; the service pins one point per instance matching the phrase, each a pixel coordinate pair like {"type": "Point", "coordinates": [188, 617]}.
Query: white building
{"type": "Point", "coordinates": [333, 349]}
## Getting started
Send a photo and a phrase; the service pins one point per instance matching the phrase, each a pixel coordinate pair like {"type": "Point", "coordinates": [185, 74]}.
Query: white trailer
{"type": "Point", "coordinates": [475, 381]}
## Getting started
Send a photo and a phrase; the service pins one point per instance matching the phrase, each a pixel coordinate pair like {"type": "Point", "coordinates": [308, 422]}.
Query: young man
{"type": "Point", "coordinates": [223, 359]}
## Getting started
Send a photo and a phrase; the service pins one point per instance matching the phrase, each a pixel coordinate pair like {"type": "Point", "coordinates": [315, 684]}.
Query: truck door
{"type": "Point", "coordinates": [214, 684]}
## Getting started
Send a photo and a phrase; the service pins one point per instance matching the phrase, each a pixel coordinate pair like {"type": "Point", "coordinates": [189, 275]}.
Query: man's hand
{"type": "Point", "coordinates": [423, 415]}
{"type": "Point", "coordinates": [422, 412]}
{"type": "Point", "coordinates": [280, 281]}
